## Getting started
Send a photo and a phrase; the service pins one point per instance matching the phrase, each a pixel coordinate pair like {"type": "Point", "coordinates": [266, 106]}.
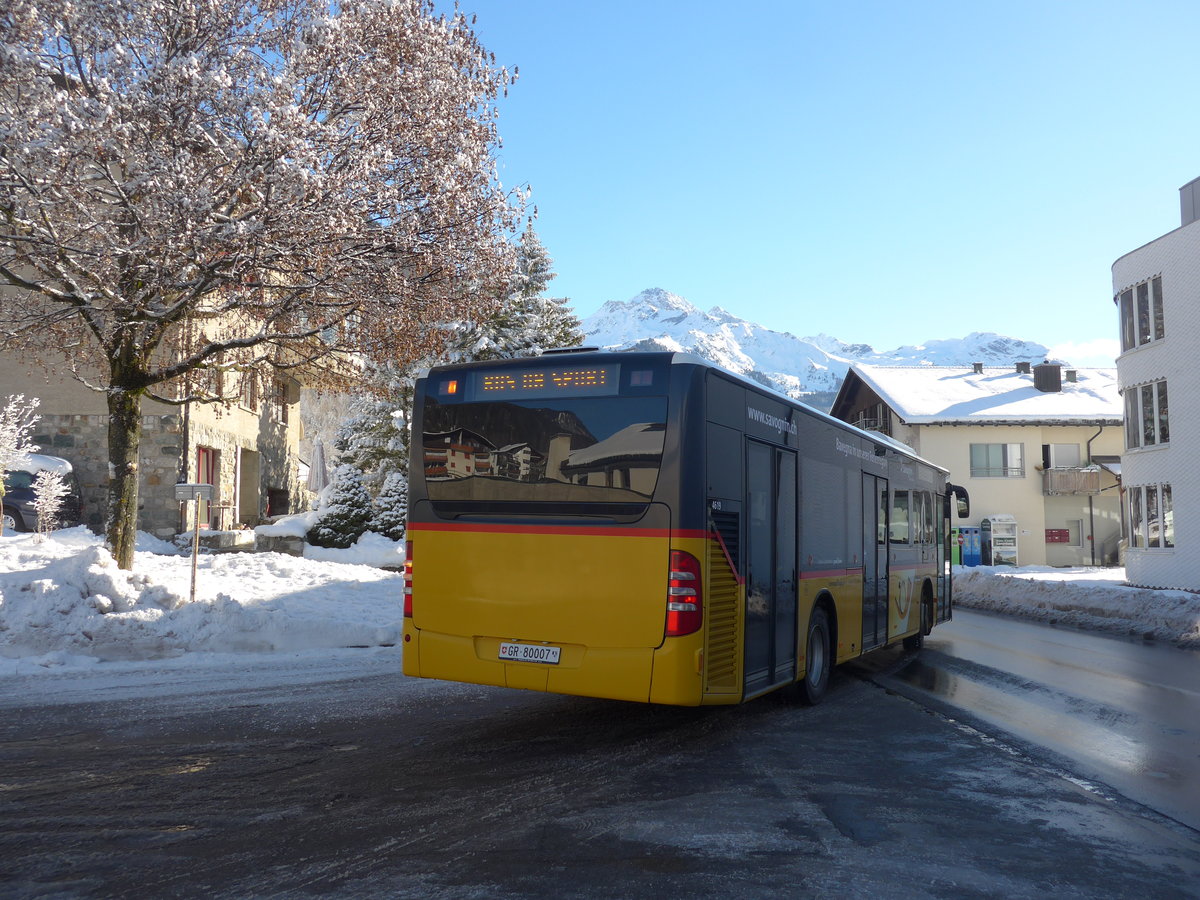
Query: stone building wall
{"type": "Point", "coordinates": [83, 440]}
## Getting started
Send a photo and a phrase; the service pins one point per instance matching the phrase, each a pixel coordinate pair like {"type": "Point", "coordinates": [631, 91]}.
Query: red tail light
{"type": "Point", "coordinates": [685, 595]}
{"type": "Point", "coordinates": [408, 579]}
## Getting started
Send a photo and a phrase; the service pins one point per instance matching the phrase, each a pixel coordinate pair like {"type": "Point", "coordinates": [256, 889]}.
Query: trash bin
{"type": "Point", "coordinates": [971, 554]}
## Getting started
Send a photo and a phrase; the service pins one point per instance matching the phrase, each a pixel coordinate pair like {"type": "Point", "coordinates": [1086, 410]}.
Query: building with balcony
{"type": "Point", "coordinates": [1041, 443]}
{"type": "Point", "coordinates": [1156, 290]}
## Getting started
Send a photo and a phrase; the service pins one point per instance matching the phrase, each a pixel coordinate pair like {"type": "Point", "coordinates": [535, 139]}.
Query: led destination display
{"type": "Point", "coordinates": [544, 382]}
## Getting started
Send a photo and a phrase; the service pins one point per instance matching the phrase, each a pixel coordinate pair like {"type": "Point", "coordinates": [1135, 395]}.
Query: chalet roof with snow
{"type": "Point", "coordinates": [990, 395]}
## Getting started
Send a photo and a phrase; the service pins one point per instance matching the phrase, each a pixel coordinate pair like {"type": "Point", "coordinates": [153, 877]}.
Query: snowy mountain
{"type": "Point", "coordinates": [808, 368]}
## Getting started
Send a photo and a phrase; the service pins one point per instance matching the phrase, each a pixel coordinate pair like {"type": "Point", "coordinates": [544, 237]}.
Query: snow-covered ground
{"type": "Point", "coordinates": [1084, 597]}
{"type": "Point", "coordinates": [64, 604]}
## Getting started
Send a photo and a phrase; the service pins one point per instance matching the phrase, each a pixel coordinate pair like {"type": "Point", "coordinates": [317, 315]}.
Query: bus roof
{"type": "Point", "coordinates": [563, 355]}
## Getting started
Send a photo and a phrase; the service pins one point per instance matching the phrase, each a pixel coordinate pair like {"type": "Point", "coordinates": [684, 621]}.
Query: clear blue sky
{"type": "Point", "coordinates": [884, 172]}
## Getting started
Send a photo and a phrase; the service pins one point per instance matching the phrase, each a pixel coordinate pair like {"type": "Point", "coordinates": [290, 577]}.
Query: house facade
{"type": "Point", "coordinates": [1041, 444]}
{"type": "Point", "coordinates": [248, 449]}
{"type": "Point", "coordinates": [1156, 290]}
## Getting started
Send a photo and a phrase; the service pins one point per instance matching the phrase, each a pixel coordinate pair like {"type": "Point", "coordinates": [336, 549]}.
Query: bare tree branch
{"type": "Point", "coordinates": [228, 185]}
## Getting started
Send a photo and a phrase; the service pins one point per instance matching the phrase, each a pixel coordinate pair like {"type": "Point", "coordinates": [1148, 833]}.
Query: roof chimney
{"type": "Point", "coordinates": [1071, 375]}
{"type": "Point", "coordinates": [978, 367]}
{"type": "Point", "coordinates": [1047, 378]}
{"type": "Point", "coordinates": [1023, 368]}
{"type": "Point", "coordinates": [1189, 202]}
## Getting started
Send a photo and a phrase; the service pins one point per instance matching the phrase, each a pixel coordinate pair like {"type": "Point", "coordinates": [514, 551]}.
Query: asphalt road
{"type": "Point", "coordinates": [357, 782]}
{"type": "Point", "coordinates": [1123, 712]}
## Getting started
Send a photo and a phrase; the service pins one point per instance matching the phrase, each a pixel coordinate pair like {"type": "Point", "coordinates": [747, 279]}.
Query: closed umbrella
{"type": "Point", "coordinates": [317, 477]}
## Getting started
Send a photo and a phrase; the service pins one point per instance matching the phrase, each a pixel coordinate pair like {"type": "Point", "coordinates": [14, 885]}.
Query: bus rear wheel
{"type": "Point", "coordinates": [818, 658]}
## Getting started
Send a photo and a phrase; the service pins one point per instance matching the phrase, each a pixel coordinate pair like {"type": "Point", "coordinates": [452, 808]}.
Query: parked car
{"type": "Point", "coordinates": [19, 513]}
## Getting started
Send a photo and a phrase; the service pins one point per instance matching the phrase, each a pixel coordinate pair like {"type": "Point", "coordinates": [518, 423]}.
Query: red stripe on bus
{"type": "Point", "coordinates": [586, 530]}
{"type": "Point", "coordinates": [737, 576]}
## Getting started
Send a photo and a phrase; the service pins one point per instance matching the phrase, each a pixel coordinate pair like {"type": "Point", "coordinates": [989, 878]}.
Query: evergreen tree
{"type": "Point", "coordinates": [526, 323]}
{"type": "Point", "coordinates": [391, 507]}
{"type": "Point", "coordinates": [348, 513]}
{"type": "Point", "coordinates": [374, 439]}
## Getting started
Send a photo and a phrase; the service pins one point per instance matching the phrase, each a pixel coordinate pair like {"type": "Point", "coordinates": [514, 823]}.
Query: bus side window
{"type": "Point", "coordinates": [930, 530]}
{"type": "Point", "coordinates": [881, 528]}
{"type": "Point", "coordinates": [899, 521]}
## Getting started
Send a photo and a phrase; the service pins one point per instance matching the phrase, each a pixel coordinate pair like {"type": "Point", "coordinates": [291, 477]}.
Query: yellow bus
{"type": "Point", "coordinates": [650, 527]}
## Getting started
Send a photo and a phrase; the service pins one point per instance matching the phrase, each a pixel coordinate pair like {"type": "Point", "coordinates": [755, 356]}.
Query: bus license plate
{"type": "Point", "coordinates": [534, 653]}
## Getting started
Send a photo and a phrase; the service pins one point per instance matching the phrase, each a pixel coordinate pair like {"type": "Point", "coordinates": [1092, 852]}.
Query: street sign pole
{"type": "Point", "coordinates": [195, 493]}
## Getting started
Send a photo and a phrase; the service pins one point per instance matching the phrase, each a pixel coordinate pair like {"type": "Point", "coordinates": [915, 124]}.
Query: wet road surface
{"type": "Point", "coordinates": [1121, 711]}
{"type": "Point", "coordinates": [361, 783]}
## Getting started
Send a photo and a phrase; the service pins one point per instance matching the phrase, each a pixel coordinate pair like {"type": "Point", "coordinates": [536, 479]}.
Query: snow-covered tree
{"type": "Point", "coordinates": [525, 323]}
{"type": "Point", "coordinates": [49, 491]}
{"type": "Point", "coordinates": [391, 508]}
{"type": "Point", "coordinates": [347, 514]}
{"type": "Point", "coordinates": [17, 418]}
{"type": "Point", "coordinates": [374, 437]}
{"type": "Point", "coordinates": [238, 186]}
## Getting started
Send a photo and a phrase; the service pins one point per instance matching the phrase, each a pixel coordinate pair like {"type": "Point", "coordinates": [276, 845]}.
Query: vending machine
{"type": "Point", "coordinates": [998, 537]}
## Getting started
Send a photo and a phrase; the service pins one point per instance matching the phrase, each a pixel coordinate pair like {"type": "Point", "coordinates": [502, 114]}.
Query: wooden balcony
{"type": "Point", "coordinates": [1078, 480]}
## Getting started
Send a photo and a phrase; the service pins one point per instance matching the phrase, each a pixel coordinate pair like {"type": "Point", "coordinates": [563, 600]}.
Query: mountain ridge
{"type": "Point", "coordinates": [805, 368]}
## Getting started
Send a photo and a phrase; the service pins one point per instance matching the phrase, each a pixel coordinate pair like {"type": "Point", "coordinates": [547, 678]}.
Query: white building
{"type": "Point", "coordinates": [1040, 443]}
{"type": "Point", "coordinates": [1157, 292]}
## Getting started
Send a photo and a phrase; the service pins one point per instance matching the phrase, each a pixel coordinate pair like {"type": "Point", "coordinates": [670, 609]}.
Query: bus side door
{"type": "Point", "coordinates": [875, 560]}
{"type": "Point", "coordinates": [771, 497]}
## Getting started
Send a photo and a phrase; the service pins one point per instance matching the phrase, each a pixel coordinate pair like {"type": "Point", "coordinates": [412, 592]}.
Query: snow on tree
{"type": "Point", "coordinates": [17, 418]}
{"type": "Point", "coordinates": [49, 490]}
{"type": "Point", "coordinates": [525, 323]}
{"type": "Point", "coordinates": [374, 438]}
{"type": "Point", "coordinates": [240, 187]}
{"type": "Point", "coordinates": [347, 514]}
{"type": "Point", "coordinates": [391, 508]}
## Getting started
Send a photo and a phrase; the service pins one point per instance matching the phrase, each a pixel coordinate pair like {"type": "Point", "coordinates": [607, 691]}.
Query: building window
{"type": "Point", "coordinates": [1075, 532]}
{"type": "Point", "coordinates": [1147, 419]}
{"type": "Point", "coordinates": [997, 461]}
{"type": "Point", "coordinates": [1060, 456]}
{"type": "Point", "coordinates": [1141, 309]}
{"type": "Point", "coordinates": [249, 392]}
{"type": "Point", "coordinates": [1151, 517]}
{"type": "Point", "coordinates": [279, 400]}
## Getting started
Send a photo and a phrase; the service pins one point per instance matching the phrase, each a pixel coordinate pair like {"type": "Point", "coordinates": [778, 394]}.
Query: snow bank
{"type": "Point", "coordinates": [371, 549]}
{"type": "Point", "coordinates": [1092, 598]}
{"type": "Point", "coordinates": [64, 602]}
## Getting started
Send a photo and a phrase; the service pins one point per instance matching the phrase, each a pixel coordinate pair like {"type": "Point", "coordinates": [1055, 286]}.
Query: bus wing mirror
{"type": "Point", "coordinates": [961, 499]}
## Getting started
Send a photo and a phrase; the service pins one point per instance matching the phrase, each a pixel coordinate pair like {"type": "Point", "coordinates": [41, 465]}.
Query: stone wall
{"type": "Point", "coordinates": [83, 440]}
